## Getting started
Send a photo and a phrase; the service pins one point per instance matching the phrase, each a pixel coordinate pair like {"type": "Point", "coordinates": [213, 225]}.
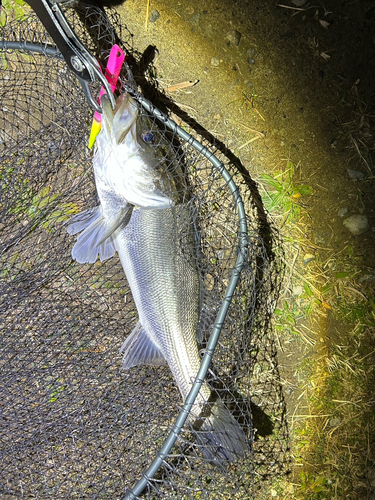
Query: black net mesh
{"type": "Point", "coordinates": [73, 425]}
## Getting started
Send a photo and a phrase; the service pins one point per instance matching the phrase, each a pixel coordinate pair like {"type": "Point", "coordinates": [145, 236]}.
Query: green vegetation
{"type": "Point", "coordinates": [284, 196]}
{"type": "Point", "coordinates": [12, 266]}
{"type": "Point", "coordinates": [12, 9]}
{"type": "Point", "coordinates": [25, 205]}
{"type": "Point", "coordinates": [339, 391]}
{"type": "Point", "coordinates": [41, 206]}
{"type": "Point", "coordinates": [54, 390]}
{"type": "Point", "coordinates": [333, 441]}
{"type": "Point", "coordinates": [287, 315]}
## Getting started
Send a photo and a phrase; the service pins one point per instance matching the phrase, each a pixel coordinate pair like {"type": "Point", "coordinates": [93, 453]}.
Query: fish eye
{"type": "Point", "coordinates": [148, 137]}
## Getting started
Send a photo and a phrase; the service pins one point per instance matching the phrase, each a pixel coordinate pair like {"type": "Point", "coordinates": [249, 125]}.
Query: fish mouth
{"type": "Point", "coordinates": [122, 120]}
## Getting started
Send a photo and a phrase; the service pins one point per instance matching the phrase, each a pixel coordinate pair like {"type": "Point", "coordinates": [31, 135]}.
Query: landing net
{"type": "Point", "coordinates": [73, 424]}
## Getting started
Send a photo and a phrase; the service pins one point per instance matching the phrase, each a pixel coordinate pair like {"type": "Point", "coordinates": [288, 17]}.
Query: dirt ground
{"type": "Point", "coordinates": [286, 82]}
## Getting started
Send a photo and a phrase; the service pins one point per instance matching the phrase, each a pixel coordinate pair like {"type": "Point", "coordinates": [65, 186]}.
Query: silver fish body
{"type": "Point", "coordinates": [152, 233]}
{"type": "Point", "coordinates": [164, 282]}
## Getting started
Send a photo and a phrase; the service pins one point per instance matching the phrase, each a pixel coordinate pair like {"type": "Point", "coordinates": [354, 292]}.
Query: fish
{"type": "Point", "coordinates": [144, 217]}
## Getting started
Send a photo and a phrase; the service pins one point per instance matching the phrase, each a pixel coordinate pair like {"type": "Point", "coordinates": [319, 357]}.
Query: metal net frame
{"type": "Point", "coordinates": [73, 424]}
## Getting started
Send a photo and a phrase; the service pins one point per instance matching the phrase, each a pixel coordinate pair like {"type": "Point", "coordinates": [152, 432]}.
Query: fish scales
{"type": "Point", "coordinates": [165, 288]}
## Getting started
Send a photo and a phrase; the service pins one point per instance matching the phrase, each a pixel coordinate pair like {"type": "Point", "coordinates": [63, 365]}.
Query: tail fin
{"type": "Point", "coordinates": [220, 436]}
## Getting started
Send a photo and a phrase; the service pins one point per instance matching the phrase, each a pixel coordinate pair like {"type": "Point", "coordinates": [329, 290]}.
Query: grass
{"type": "Point", "coordinates": [333, 313]}
{"type": "Point", "coordinates": [336, 446]}
{"type": "Point", "coordinates": [42, 206]}
{"type": "Point", "coordinates": [356, 135]}
{"type": "Point", "coordinates": [14, 9]}
{"type": "Point", "coordinates": [282, 195]}
{"type": "Point", "coordinates": [248, 101]}
{"type": "Point", "coordinates": [28, 203]}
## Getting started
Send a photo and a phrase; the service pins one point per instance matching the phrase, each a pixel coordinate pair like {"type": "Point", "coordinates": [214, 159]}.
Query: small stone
{"type": "Point", "coordinates": [308, 257]}
{"type": "Point", "coordinates": [234, 37]}
{"type": "Point", "coordinates": [289, 488]}
{"type": "Point", "coordinates": [195, 19]}
{"type": "Point", "coordinates": [209, 29]}
{"type": "Point", "coordinates": [250, 60]}
{"type": "Point", "coordinates": [288, 35]}
{"type": "Point", "coordinates": [297, 290]}
{"type": "Point", "coordinates": [355, 175]}
{"type": "Point", "coordinates": [274, 493]}
{"type": "Point", "coordinates": [251, 52]}
{"type": "Point", "coordinates": [368, 277]}
{"type": "Point", "coordinates": [154, 16]}
{"type": "Point", "coordinates": [215, 61]}
{"type": "Point", "coordinates": [356, 224]}
{"type": "Point", "coordinates": [288, 391]}
{"type": "Point", "coordinates": [342, 212]}
{"type": "Point", "coordinates": [334, 422]}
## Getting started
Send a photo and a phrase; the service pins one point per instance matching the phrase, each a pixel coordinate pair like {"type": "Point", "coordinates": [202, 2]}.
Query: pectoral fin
{"type": "Point", "coordinates": [122, 219]}
{"type": "Point", "coordinates": [139, 349]}
{"type": "Point", "coordinates": [96, 236]}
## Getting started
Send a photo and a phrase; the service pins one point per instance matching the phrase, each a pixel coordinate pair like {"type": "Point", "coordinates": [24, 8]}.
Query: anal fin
{"type": "Point", "coordinates": [139, 349]}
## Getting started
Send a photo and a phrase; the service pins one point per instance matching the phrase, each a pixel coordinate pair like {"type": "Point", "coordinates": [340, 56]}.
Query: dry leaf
{"type": "Point", "coordinates": [324, 24]}
{"type": "Point", "coordinates": [325, 56]}
{"type": "Point", "coordinates": [176, 119]}
{"type": "Point", "coordinates": [182, 85]}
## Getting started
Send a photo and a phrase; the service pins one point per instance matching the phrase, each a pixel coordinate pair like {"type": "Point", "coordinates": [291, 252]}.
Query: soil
{"type": "Point", "coordinates": [279, 82]}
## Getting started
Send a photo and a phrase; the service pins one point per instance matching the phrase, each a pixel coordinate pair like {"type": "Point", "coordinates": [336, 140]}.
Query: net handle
{"type": "Point", "coordinates": [30, 47]}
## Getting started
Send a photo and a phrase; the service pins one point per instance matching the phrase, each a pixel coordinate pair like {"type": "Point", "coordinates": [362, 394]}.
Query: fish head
{"type": "Point", "coordinates": [127, 161]}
